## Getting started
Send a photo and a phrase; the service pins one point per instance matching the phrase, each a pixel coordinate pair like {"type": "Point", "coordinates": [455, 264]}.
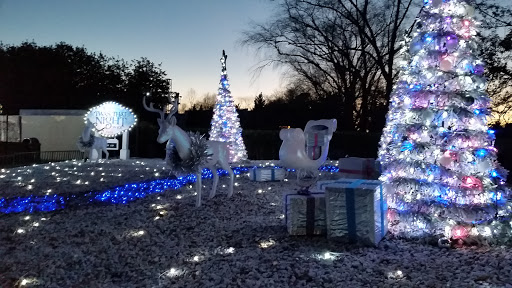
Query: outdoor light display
{"type": "Point", "coordinates": [436, 149]}
{"type": "Point", "coordinates": [225, 125]}
{"type": "Point", "coordinates": [122, 194]}
{"type": "Point", "coordinates": [111, 119]}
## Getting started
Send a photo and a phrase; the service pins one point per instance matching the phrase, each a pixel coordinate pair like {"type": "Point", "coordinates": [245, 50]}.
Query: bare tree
{"type": "Point", "coordinates": [497, 53]}
{"type": "Point", "coordinates": [348, 49]}
{"type": "Point", "coordinates": [343, 49]}
{"type": "Point", "coordinates": [207, 102]}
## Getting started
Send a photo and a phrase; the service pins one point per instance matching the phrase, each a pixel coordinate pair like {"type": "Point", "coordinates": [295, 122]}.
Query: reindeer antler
{"type": "Point", "coordinates": [174, 107]}
{"type": "Point", "coordinates": [151, 108]}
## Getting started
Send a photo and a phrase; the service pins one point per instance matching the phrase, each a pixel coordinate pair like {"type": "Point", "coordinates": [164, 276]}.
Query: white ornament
{"type": "Point", "coordinates": [446, 160]}
{"type": "Point", "coordinates": [484, 166]}
{"type": "Point", "coordinates": [470, 11]}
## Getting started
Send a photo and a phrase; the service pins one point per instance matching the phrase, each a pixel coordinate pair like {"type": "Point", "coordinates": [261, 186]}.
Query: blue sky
{"type": "Point", "coordinates": [186, 36]}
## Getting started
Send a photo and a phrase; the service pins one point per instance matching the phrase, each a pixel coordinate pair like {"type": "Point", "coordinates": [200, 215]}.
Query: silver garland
{"type": "Point", "coordinates": [84, 145]}
{"type": "Point", "coordinates": [198, 156]}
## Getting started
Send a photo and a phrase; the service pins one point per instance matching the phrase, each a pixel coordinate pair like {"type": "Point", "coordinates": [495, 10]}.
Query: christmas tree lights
{"type": "Point", "coordinates": [437, 152]}
{"type": "Point", "coordinates": [225, 125]}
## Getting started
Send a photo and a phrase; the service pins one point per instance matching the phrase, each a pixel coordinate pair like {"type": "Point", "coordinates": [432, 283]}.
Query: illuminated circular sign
{"type": "Point", "coordinates": [111, 118]}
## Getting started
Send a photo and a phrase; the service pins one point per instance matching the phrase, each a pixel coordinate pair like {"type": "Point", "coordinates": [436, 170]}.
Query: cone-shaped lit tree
{"type": "Point", "coordinates": [438, 155]}
{"type": "Point", "coordinates": [225, 125]}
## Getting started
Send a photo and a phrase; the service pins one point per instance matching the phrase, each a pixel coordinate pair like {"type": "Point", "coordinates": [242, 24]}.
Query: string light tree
{"type": "Point", "coordinates": [437, 152]}
{"type": "Point", "coordinates": [225, 124]}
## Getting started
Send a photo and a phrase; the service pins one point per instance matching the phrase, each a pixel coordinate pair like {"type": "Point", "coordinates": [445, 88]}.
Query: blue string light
{"type": "Point", "coordinates": [481, 152]}
{"type": "Point", "coordinates": [118, 195]}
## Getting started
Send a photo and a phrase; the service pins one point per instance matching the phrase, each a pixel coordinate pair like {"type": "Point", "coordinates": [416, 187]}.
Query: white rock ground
{"type": "Point", "coordinates": [163, 240]}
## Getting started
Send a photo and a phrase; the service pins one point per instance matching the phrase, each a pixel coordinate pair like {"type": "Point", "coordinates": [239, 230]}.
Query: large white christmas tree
{"type": "Point", "coordinates": [438, 156]}
{"type": "Point", "coordinates": [225, 125]}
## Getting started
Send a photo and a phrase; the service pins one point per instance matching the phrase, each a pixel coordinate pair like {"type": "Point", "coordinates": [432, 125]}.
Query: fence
{"type": "Point", "coordinates": [29, 158]}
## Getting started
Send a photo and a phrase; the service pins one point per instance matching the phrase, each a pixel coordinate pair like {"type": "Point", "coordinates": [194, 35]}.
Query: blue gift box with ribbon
{"type": "Point", "coordinates": [267, 174]}
{"type": "Point", "coordinates": [305, 214]}
{"type": "Point", "coordinates": [356, 210]}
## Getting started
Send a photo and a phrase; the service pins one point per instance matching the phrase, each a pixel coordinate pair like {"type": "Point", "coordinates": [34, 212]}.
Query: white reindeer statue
{"type": "Point", "coordinates": [170, 132]}
{"type": "Point", "coordinates": [88, 143]}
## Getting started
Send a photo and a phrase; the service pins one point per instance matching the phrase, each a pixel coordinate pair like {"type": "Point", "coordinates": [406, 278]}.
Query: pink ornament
{"type": "Point", "coordinates": [459, 232]}
{"type": "Point", "coordinates": [446, 64]}
{"type": "Point", "coordinates": [421, 100]}
{"type": "Point", "coordinates": [446, 160]}
{"type": "Point", "coordinates": [472, 182]}
{"type": "Point", "coordinates": [392, 215]}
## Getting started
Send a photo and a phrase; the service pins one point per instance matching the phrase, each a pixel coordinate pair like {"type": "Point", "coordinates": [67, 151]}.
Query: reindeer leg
{"type": "Point", "coordinates": [215, 181]}
{"type": "Point", "coordinates": [198, 189]}
{"type": "Point", "coordinates": [106, 152]}
{"type": "Point", "coordinates": [225, 166]}
{"type": "Point", "coordinates": [231, 180]}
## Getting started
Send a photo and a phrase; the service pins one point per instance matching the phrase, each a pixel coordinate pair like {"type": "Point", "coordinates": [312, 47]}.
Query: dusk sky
{"type": "Point", "coordinates": [186, 36]}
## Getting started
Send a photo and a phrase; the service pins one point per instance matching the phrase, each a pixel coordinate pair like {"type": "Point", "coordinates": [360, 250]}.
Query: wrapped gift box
{"type": "Point", "coordinates": [356, 210]}
{"type": "Point", "coordinates": [316, 138]}
{"type": "Point", "coordinates": [305, 214]}
{"type": "Point", "coordinates": [267, 174]}
{"type": "Point", "coordinates": [315, 142]}
{"type": "Point", "coordinates": [359, 168]}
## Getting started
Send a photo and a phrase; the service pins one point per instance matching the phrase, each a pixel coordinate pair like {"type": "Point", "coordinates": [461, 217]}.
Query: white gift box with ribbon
{"type": "Point", "coordinates": [356, 210]}
{"type": "Point", "coordinates": [262, 174]}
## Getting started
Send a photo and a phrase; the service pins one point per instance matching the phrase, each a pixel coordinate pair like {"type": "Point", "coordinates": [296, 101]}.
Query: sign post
{"type": "Point", "coordinates": [124, 154]}
{"type": "Point", "coordinates": [111, 119]}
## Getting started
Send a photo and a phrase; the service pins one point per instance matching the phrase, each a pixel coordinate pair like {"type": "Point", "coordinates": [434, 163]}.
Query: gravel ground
{"type": "Point", "coordinates": [163, 240]}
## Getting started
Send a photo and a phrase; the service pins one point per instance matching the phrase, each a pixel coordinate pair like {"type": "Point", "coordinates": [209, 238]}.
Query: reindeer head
{"type": "Point", "coordinates": [167, 124]}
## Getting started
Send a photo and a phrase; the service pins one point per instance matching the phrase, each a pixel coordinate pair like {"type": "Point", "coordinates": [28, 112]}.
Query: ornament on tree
{"type": "Point", "coordinates": [446, 63]}
{"type": "Point", "coordinates": [448, 158]}
{"type": "Point", "coordinates": [467, 10]}
{"type": "Point", "coordinates": [471, 182]}
{"type": "Point", "coordinates": [478, 69]}
{"type": "Point", "coordinates": [459, 232]}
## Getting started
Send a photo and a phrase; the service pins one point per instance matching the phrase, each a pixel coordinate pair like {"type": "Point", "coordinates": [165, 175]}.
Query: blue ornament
{"type": "Point", "coordinates": [407, 146]}
{"type": "Point", "coordinates": [481, 152]}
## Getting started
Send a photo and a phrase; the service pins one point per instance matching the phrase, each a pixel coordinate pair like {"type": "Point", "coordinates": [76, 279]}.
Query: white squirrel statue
{"type": "Point", "coordinates": [293, 154]}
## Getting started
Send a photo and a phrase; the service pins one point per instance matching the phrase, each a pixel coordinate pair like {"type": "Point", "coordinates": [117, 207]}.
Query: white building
{"type": "Point", "coordinates": [56, 130]}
